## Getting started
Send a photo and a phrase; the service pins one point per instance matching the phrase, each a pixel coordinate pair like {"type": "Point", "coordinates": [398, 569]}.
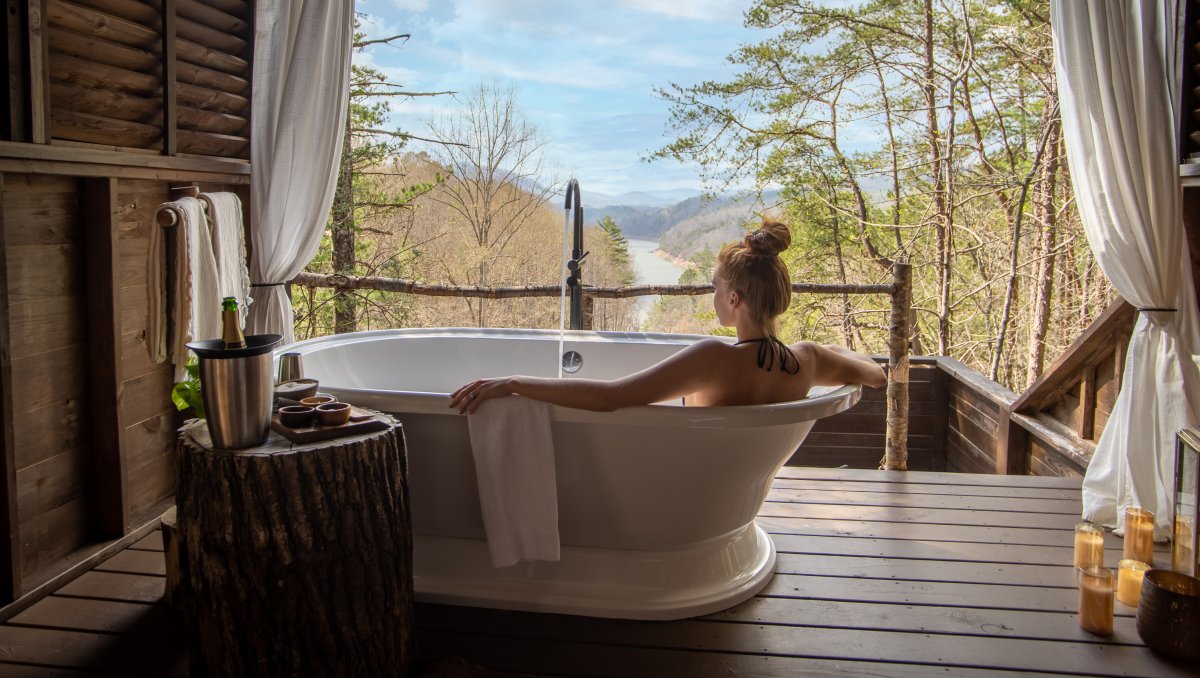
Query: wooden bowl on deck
{"type": "Point", "coordinates": [1168, 615]}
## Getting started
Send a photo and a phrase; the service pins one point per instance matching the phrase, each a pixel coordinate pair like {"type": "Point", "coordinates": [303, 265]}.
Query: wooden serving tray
{"type": "Point", "coordinates": [361, 421]}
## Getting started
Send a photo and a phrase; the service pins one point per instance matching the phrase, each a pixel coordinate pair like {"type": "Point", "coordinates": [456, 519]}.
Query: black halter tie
{"type": "Point", "coordinates": [768, 349]}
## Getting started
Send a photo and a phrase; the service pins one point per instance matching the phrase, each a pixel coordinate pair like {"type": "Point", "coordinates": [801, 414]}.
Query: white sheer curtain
{"type": "Point", "coordinates": [301, 88]}
{"type": "Point", "coordinates": [1115, 65]}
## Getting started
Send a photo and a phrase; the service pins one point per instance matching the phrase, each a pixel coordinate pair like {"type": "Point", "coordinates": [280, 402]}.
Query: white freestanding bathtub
{"type": "Point", "coordinates": [656, 503]}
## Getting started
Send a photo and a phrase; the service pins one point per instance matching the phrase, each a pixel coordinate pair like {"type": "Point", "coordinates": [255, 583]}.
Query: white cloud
{"type": "Point", "coordinates": [702, 10]}
{"type": "Point", "coordinates": [411, 5]}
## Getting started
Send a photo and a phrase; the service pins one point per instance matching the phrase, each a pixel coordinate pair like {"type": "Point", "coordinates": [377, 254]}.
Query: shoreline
{"type": "Point", "coordinates": [678, 261]}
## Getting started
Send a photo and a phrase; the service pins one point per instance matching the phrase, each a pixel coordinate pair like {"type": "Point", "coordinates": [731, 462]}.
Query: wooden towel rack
{"type": "Point", "coordinates": [169, 216]}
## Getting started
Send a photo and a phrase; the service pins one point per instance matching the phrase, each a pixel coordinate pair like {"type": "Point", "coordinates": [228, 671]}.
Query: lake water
{"type": "Point", "coordinates": [651, 270]}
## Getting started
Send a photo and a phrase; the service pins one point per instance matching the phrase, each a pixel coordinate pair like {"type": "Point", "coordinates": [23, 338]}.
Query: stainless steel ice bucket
{"type": "Point", "coordinates": [237, 387]}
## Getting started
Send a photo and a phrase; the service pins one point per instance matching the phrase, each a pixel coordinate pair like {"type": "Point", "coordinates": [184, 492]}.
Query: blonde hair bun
{"type": "Point", "coordinates": [771, 238]}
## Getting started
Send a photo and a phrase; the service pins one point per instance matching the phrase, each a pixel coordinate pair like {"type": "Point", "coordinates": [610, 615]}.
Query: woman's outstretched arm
{"type": "Point", "coordinates": [679, 375]}
{"type": "Point", "coordinates": [835, 365]}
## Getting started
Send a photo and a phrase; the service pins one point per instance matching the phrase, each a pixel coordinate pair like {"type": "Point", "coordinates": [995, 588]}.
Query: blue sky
{"type": "Point", "coordinates": [584, 72]}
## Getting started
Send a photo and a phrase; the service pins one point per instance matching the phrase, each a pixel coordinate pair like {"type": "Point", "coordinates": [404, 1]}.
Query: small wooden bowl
{"type": "Point", "coordinates": [296, 390]}
{"type": "Point", "coordinates": [296, 416]}
{"type": "Point", "coordinates": [333, 414]}
{"type": "Point", "coordinates": [314, 400]}
{"type": "Point", "coordinates": [1168, 616]}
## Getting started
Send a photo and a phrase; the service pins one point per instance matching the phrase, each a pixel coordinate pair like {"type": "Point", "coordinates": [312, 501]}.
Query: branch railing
{"type": "Point", "coordinates": [900, 290]}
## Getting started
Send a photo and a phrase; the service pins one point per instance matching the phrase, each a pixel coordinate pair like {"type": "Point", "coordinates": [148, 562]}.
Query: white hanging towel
{"type": "Point", "coordinates": [229, 247]}
{"type": "Point", "coordinates": [514, 467]}
{"type": "Point", "coordinates": [195, 300]}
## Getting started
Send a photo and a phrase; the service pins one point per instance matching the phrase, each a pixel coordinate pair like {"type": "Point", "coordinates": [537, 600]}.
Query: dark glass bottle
{"type": "Point", "coordinates": [231, 333]}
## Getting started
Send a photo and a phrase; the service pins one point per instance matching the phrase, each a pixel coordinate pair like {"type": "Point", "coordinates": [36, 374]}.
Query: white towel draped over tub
{"type": "Point", "coordinates": [195, 300]}
{"type": "Point", "coordinates": [514, 466]}
{"type": "Point", "coordinates": [229, 247]}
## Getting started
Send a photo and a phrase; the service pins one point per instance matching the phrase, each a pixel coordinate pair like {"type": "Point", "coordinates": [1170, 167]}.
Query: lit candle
{"type": "Point", "coordinates": [1129, 581]}
{"type": "Point", "coordinates": [1139, 535]}
{"type": "Point", "coordinates": [1089, 545]}
{"type": "Point", "coordinates": [1096, 600]}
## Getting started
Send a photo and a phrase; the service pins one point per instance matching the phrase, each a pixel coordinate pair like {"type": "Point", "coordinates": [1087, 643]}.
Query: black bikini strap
{"type": "Point", "coordinates": [768, 347]}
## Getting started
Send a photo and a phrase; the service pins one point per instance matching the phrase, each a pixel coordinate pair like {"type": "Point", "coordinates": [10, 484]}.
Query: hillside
{"type": "Point", "coordinates": [687, 227]}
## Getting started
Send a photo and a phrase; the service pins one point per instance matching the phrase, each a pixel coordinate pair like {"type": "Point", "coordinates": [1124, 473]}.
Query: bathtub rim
{"type": "Point", "coordinates": [826, 403]}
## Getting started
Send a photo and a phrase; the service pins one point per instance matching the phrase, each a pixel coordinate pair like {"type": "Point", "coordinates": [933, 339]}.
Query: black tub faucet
{"type": "Point", "coordinates": [574, 272]}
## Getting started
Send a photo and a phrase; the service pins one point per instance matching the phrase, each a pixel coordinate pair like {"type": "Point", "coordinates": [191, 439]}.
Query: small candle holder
{"type": "Point", "coordinates": [1089, 545]}
{"type": "Point", "coordinates": [1129, 581]}
{"type": "Point", "coordinates": [1139, 535]}
{"type": "Point", "coordinates": [1096, 600]}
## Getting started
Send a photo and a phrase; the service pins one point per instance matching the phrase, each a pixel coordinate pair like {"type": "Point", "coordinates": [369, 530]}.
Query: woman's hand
{"type": "Point", "coordinates": [468, 397]}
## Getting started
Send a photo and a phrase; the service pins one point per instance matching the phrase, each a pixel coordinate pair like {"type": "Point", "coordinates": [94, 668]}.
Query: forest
{"type": "Point", "coordinates": [926, 131]}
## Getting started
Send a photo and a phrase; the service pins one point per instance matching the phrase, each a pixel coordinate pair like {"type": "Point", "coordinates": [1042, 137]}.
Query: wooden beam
{"type": "Point", "coordinates": [1087, 403]}
{"type": "Point", "coordinates": [39, 73]}
{"type": "Point", "coordinates": [1097, 340]}
{"type": "Point", "coordinates": [16, 66]}
{"type": "Point", "coordinates": [100, 225]}
{"type": "Point", "coordinates": [169, 82]}
{"type": "Point", "coordinates": [131, 161]}
{"type": "Point", "coordinates": [10, 546]}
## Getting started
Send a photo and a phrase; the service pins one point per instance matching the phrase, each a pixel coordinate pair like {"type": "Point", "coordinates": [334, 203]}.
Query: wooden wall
{"type": "Point", "coordinates": [855, 438]}
{"type": "Point", "coordinates": [48, 338]}
{"type": "Point", "coordinates": [108, 104]}
{"type": "Point", "coordinates": [109, 83]}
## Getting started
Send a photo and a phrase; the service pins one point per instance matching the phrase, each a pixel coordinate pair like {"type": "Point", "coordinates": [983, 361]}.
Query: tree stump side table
{"type": "Point", "coordinates": [296, 559]}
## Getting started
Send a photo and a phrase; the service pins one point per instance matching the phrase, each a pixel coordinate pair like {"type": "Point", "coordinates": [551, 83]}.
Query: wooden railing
{"type": "Point", "coordinates": [900, 291]}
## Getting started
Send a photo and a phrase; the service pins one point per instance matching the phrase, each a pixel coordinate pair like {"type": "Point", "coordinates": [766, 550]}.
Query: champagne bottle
{"type": "Point", "coordinates": [232, 332]}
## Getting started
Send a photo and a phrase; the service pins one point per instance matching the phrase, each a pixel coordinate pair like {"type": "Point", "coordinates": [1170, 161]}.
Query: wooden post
{"type": "Point", "coordinates": [10, 541]}
{"type": "Point", "coordinates": [588, 312]}
{"type": "Point", "coordinates": [104, 353]}
{"type": "Point", "coordinates": [170, 87]}
{"type": "Point", "coordinates": [895, 456]}
{"type": "Point", "coordinates": [297, 559]}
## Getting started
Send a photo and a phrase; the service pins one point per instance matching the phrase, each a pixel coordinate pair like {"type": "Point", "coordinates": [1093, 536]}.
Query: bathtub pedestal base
{"type": "Point", "coordinates": [597, 582]}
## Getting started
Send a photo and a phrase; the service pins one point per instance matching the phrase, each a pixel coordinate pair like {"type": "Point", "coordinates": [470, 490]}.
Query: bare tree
{"type": "Point", "coordinates": [498, 183]}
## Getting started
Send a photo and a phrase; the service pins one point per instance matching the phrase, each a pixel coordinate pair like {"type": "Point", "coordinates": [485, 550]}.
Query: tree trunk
{"type": "Point", "coordinates": [940, 220]}
{"type": "Point", "coordinates": [1045, 215]}
{"type": "Point", "coordinates": [342, 232]}
{"type": "Point", "coordinates": [298, 558]}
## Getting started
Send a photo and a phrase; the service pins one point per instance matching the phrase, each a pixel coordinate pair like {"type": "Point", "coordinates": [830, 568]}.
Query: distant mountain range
{"type": "Point", "coordinates": [686, 227]}
{"type": "Point", "coordinates": [663, 198]}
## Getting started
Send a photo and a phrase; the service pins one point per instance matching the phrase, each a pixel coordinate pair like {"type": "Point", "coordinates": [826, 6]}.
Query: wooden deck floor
{"type": "Point", "coordinates": [881, 574]}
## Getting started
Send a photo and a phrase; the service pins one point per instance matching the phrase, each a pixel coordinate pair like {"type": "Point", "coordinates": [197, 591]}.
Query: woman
{"type": "Point", "coordinates": [752, 289]}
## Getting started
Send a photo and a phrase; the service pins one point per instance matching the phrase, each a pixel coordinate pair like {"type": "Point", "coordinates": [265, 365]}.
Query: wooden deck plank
{"type": "Point", "coordinates": [114, 653]}
{"type": "Point", "coordinates": [933, 550]}
{"type": "Point", "coordinates": [9, 670]}
{"type": "Point", "coordinates": [926, 477]}
{"type": "Point", "coordinates": [913, 531]}
{"type": "Point", "coordinates": [906, 592]}
{"type": "Point", "coordinates": [151, 542]}
{"type": "Point", "coordinates": [132, 561]}
{"type": "Point", "coordinates": [1067, 507]}
{"type": "Point", "coordinates": [925, 488]}
{"type": "Point", "coordinates": [580, 658]}
{"type": "Point", "coordinates": [82, 614]}
{"type": "Point", "coordinates": [812, 642]}
{"type": "Point", "coordinates": [1062, 576]}
{"type": "Point", "coordinates": [116, 586]}
{"type": "Point", "coordinates": [932, 619]}
{"type": "Point", "coordinates": [1019, 520]}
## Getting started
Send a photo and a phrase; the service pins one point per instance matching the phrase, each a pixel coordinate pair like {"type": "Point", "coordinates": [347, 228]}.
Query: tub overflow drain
{"type": "Point", "coordinates": [571, 362]}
